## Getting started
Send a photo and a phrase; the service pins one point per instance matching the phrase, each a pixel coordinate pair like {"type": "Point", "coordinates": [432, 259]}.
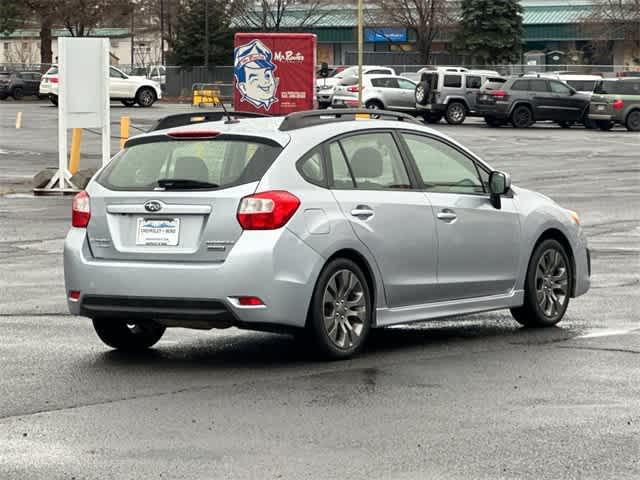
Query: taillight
{"type": "Point", "coordinates": [80, 210]}
{"type": "Point", "coordinates": [499, 94]}
{"type": "Point", "coordinates": [267, 210]}
{"type": "Point", "coordinates": [53, 79]}
{"type": "Point", "coordinates": [354, 89]}
{"type": "Point", "coordinates": [618, 104]}
{"type": "Point", "coordinates": [193, 133]}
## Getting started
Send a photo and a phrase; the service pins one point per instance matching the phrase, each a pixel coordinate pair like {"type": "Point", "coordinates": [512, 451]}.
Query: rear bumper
{"type": "Point", "coordinates": [600, 116]}
{"type": "Point", "coordinates": [275, 266]}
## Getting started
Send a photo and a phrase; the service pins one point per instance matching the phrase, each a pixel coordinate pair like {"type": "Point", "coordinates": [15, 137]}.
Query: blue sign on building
{"type": "Point", "coordinates": [378, 35]}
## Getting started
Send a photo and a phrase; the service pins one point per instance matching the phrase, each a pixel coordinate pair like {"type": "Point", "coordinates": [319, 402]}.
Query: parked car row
{"type": "Point", "coordinates": [19, 85]}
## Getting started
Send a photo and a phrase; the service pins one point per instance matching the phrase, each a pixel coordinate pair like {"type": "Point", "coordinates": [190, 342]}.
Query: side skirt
{"type": "Point", "coordinates": [419, 313]}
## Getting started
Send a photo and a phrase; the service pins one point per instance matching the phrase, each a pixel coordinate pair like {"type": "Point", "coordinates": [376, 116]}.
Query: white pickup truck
{"type": "Point", "coordinates": [125, 88]}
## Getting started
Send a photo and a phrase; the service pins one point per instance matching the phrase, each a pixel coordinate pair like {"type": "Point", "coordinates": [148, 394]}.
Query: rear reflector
{"type": "Point", "coordinates": [81, 210]}
{"type": "Point", "coordinates": [267, 210]}
{"type": "Point", "coordinates": [193, 134]}
{"type": "Point", "coordinates": [499, 93]}
{"type": "Point", "coordinates": [74, 295]}
{"type": "Point", "coordinates": [249, 301]}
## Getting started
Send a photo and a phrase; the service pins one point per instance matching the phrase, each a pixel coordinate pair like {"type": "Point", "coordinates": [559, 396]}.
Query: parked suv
{"type": "Point", "coordinates": [18, 84]}
{"type": "Point", "coordinates": [389, 92]}
{"type": "Point", "coordinates": [616, 101]}
{"type": "Point", "coordinates": [323, 223]}
{"type": "Point", "coordinates": [526, 100]}
{"type": "Point", "coordinates": [451, 94]}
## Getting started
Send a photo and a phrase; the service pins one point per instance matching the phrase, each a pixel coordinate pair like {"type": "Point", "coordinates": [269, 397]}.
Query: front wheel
{"type": "Point", "coordinates": [547, 287]}
{"type": "Point", "coordinates": [340, 313]}
{"type": "Point", "coordinates": [633, 121]}
{"type": "Point", "coordinates": [17, 93]}
{"type": "Point", "coordinates": [125, 336]}
{"type": "Point", "coordinates": [456, 113]}
{"type": "Point", "coordinates": [145, 97]}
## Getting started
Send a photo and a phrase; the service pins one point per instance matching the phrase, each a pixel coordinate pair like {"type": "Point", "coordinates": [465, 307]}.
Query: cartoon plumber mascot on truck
{"type": "Point", "coordinates": [254, 72]}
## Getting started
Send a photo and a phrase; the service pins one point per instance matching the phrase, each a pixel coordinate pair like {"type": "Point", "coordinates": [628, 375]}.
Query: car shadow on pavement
{"type": "Point", "coordinates": [252, 350]}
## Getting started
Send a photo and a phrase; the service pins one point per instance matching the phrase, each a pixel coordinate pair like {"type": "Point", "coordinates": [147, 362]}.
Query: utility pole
{"type": "Point", "coordinates": [132, 29]}
{"type": "Point", "coordinates": [206, 33]}
{"type": "Point", "coordinates": [360, 49]}
{"type": "Point", "coordinates": [161, 32]}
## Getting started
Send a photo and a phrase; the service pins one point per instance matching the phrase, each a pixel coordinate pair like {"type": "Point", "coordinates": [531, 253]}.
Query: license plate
{"type": "Point", "coordinates": [600, 107]}
{"type": "Point", "coordinates": [158, 231]}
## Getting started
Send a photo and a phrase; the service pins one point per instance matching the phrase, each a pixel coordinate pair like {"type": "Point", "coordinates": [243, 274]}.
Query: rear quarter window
{"type": "Point", "coordinates": [222, 162]}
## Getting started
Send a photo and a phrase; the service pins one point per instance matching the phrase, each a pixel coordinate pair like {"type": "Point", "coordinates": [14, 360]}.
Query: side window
{"type": "Point", "coordinates": [557, 87]}
{"type": "Point", "coordinates": [113, 73]}
{"type": "Point", "coordinates": [443, 168]}
{"type": "Point", "coordinates": [341, 177]}
{"type": "Point", "coordinates": [538, 85]}
{"type": "Point", "coordinates": [312, 168]}
{"type": "Point", "coordinates": [384, 82]}
{"type": "Point", "coordinates": [375, 161]}
{"type": "Point", "coordinates": [406, 84]}
{"type": "Point", "coordinates": [520, 85]}
{"type": "Point", "coordinates": [453, 81]}
{"type": "Point", "coordinates": [380, 71]}
{"type": "Point", "coordinates": [474, 82]}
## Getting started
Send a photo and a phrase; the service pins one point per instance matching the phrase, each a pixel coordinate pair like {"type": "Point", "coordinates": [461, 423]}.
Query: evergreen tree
{"type": "Point", "coordinates": [190, 46]}
{"type": "Point", "coordinates": [490, 31]}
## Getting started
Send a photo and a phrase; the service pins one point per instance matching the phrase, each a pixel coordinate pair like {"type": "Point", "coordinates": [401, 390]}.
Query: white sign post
{"type": "Point", "coordinates": [83, 99]}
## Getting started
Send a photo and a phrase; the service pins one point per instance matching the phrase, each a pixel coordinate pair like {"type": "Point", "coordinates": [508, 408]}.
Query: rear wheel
{"type": "Point", "coordinates": [547, 287]}
{"type": "Point", "coordinates": [633, 121]}
{"type": "Point", "coordinates": [340, 313]}
{"type": "Point", "coordinates": [17, 93]}
{"type": "Point", "coordinates": [127, 336]}
{"type": "Point", "coordinates": [456, 113]}
{"type": "Point", "coordinates": [604, 125]}
{"type": "Point", "coordinates": [522, 117]}
{"type": "Point", "coordinates": [145, 97]}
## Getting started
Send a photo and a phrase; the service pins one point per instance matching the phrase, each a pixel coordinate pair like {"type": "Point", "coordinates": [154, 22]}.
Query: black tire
{"type": "Point", "coordinates": [421, 93]}
{"type": "Point", "coordinates": [494, 122]}
{"type": "Point", "coordinates": [117, 334]}
{"type": "Point", "coordinates": [633, 121]}
{"type": "Point", "coordinates": [129, 102]}
{"type": "Point", "coordinates": [53, 99]}
{"type": "Point", "coordinates": [432, 117]}
{"type": "Point", "coordinates": [3, 97]}
{"type": "Point", "coordinates": [522, 117]}
{"type": "Point", "coordinates": [17, 93]}
{"type": "Point", "coordinates": [374, 105]}
{"type": "Point", "coordinates": [145, 97]}
{"type": "Point", "coordinates": [456, 113]}
{"type": "Point", "coordinates": [604, 125]}
{"type": "Point", "coordinates": [319, 332]}
{"type": "Point", "coordinates": [531, 313]}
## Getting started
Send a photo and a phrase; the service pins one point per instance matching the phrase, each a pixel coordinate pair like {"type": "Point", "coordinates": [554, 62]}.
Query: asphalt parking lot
{"type": "Point", "coordinates": [477, 398]}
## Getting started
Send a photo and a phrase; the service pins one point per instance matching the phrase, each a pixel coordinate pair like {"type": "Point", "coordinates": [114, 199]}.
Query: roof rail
{"type": "Point", "coordinates": [297, 120]}
{"type": "Point", "coordinates": [182, 119]}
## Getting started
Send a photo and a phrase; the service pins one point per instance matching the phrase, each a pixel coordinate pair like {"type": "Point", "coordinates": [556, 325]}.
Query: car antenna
{"type": "Point", "coordinates": [229, 118]}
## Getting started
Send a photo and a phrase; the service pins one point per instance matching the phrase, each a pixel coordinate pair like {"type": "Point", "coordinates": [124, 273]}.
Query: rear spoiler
{"type": "Point", "coordinates": [182, 119]}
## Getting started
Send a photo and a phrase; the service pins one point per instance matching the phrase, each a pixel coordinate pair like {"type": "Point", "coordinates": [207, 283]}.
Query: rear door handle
{"type": "Point", "coordinates": [363, 212]}
{"type": "Point", "coordinates": [447, 216]}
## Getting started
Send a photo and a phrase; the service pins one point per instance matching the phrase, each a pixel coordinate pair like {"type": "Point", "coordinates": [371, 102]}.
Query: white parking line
{"type": "Point", "coordinates": [608, 333]}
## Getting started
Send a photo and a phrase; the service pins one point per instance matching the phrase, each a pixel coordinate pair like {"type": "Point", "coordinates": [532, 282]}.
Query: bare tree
{"type": "Point", "coordinates": [22, 53]}
{"type": "Point", "coordinates": [273, 15]}
{"type": "Point", "coordinates": [427, 18]}
{"type": "Point", "coordinates": [80, 17]}
{"type": "Point", "coordinates": [610, 20]}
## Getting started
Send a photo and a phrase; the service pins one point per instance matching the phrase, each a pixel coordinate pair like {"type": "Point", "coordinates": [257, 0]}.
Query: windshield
{"type": "Point", "coordinates": [218, 162]}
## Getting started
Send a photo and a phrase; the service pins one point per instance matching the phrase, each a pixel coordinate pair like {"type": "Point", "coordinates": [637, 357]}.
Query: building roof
{"type": "Point", "coordinates": [63, 32]}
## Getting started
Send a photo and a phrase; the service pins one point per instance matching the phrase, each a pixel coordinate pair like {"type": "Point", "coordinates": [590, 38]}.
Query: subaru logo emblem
{"type": "Point", "coordinates": [153, 206]}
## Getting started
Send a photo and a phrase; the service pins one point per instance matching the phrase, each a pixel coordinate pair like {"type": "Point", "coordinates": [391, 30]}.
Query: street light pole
{"type": "Point", "coordinates": [360, 49]}
{"type": "Point", "coordinates": [132, 29]}
{"type": "Point", "coordinates": [206, 33]}
{"type": "Point", "coordinates": [161, 32]}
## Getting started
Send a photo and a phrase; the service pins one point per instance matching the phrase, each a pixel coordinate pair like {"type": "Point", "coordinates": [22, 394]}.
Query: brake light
{"type": "Point", "coordinates": [267, 210]}
{"type": "Point", "coordinates": [354, 89]}
{"type": "Point", "coordinates": [53, 79]}
{"type": "Point", "coordinates": [499, 94]}
{"type": "Point", "coordinates": [618, 104]}
{"type": "Point", "coordinates": [81, 210]}
{"type": "Point", "coordinates": [193, 134]}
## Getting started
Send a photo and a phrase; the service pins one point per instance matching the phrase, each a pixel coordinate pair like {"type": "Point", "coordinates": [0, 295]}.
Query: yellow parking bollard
{"type": "Point", "coordinates": [19, 120]}
{"type": "Point", "coordinates": [76, 141]}
{"type": "Point", "coordinates": [125, 123]}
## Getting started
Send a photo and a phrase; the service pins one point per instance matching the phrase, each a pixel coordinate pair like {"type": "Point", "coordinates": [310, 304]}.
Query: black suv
{"type": "Point", "coordinates": [525, 100]}
{"type": "Point", "coordinates": [19, 84]}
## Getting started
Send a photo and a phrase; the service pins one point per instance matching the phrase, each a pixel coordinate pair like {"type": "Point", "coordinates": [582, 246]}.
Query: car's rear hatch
{"type": "Point", "coordinates": [175, 199]}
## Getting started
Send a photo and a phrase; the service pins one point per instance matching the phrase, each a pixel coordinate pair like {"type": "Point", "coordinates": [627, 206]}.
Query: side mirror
{"type": "Point", "coordinates": [499, 184]}
{"type": "Point", "coordinates": [324, 70]}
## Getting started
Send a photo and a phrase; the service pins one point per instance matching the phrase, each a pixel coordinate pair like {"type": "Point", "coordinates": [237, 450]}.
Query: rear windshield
{"type": "Point", "coordinates": [348, 81]}
{"type": "Point", "coordinates": [619, 87]}
{"type": "Point", "coordinates": [582, 85]}
{"type": "Point", "coordinates": [52, 71]}
{"type": "Point", "coordinates": [222, 162]}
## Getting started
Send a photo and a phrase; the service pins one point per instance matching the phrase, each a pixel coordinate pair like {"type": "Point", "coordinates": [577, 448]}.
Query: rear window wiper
{"type": "Point", "coordinates": [184, 184]}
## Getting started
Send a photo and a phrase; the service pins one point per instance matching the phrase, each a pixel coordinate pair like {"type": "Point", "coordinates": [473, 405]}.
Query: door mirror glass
{"type": "Point", "coordinates": [499, 183]}
{"type": "Point", "coordinates": [324, 70]}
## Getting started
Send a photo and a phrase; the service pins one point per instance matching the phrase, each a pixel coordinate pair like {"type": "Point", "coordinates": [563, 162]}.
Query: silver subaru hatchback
{"type": "Point", "coordinates": [323, 223]}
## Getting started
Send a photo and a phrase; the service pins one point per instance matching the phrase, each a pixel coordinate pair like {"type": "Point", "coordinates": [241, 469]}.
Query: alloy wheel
{"type": "Point", "coordinates": [344, 309]}
{"type": "Point", "coordinates": [552, 284]}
